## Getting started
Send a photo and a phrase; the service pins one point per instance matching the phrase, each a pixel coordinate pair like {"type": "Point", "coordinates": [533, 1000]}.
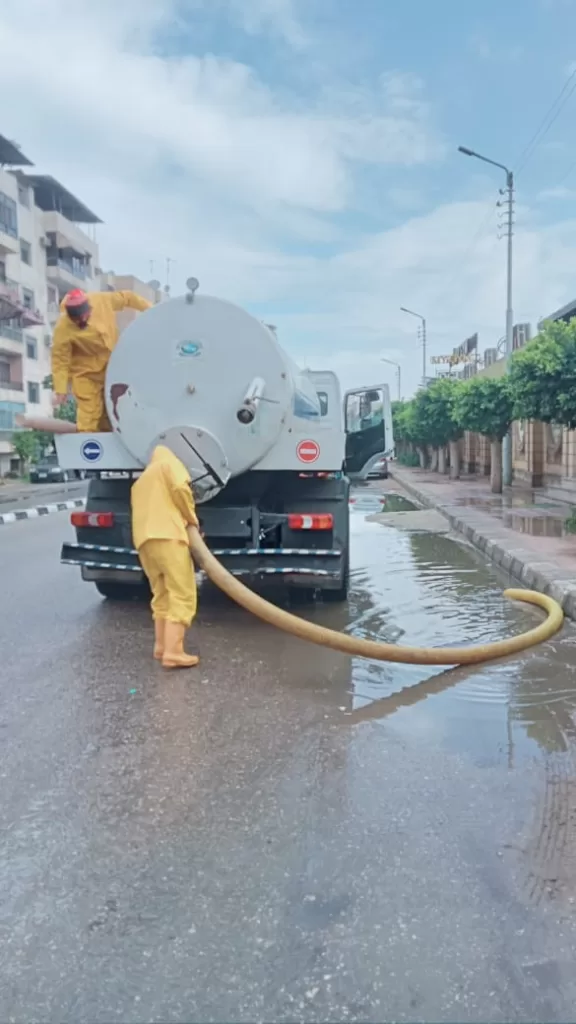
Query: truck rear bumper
{"type": "Point", "coordinates": [303, 567]}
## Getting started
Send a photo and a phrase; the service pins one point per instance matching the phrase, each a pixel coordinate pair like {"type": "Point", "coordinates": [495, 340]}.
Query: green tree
{"type": "Point", "coordinates": [543, 376]}
{"type": "Point", "coordinates": [486, 406]}
{"type": "Point", "coordinates": [25, 444]}
{"type": "Point", "coordinates": [437, 423]}
{"type": "Point", "coordinates": [67, 411]}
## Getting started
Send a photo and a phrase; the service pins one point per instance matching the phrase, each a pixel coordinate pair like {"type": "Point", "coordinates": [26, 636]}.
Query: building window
{"type": "Point", "coordinates": [2, 272]}
{"type": "Point", "coordinates": [25, 252]}
{"type": "Point", "coordinates": [11, 329]}
{"type": "Point", "coordinates": [8, 410]}
{"type": "Point", "coordinates": [23, 195]}
{"type": "Point", "coordinates": [8, 216]}
{"type": "Point", "coordinates": [28, 298]}
{"type": "Point", "coordinates": [4, 372]}
{"type": "Point", "coordinates": [33, 393]}
{"type": "Point", "coordinates": [31, 347]}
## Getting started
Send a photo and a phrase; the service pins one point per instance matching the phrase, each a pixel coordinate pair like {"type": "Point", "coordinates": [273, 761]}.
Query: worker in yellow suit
{"type": "Point", "coordinates": [84, 338]}
{"type": "Point", "coordinates": [162, 509]}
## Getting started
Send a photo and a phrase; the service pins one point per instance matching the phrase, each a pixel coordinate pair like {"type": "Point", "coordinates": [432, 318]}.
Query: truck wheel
{"type": "Point", "coordinates": [121, 591]}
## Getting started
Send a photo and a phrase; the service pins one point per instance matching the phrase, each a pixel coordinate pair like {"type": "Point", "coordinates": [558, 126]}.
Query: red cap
{"type": "Point", "coordinates": [75, 298]}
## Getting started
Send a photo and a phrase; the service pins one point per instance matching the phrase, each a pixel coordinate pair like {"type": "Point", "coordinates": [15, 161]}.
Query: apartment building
{"type": "Point", "coordinates": [44, 252]}
{"type": "Point", "coordinates": [111, 282]}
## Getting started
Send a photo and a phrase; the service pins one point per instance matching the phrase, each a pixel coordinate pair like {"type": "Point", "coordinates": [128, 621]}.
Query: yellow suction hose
{"type": "Point", "coordinates": [358, 647]}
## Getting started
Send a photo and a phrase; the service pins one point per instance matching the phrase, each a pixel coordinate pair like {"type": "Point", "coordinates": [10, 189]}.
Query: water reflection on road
{"type": "Point", "coordinates": [427, 590]}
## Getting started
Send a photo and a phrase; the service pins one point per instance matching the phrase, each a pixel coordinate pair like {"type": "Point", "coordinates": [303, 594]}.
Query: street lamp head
{"type": "Point", "coordinates": [466, 151]}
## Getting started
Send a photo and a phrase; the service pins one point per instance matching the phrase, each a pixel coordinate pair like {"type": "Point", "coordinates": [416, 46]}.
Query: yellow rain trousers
{"type": "Point", "coordinates": [80, 355]}
{"type": "Point", "coordinates": [168, 566]}
{"type": "Point", "coordinates": [162, 509]}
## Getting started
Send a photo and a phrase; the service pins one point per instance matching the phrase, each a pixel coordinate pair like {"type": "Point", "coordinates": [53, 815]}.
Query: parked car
{"type": "Point", "coordinates": [379, 470]}
{"type": "Point", "coordinates": [48, 471]}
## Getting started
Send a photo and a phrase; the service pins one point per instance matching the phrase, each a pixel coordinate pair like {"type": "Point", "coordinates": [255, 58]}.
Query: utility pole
{"type": "Point", "coordinates": [422, 336]}
{"type": "Point", "coordinates": [424, 365]}
{"type": "Point", "coordinates": [169, 263]}
{"type": "Point", "coordinates": [507, 443]}
{"type": "Point", "coordinates": [509, 202]}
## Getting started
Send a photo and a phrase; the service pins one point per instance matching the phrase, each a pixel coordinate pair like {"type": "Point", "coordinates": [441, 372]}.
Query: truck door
{"type": "Point", "coordinates": [368, 422]}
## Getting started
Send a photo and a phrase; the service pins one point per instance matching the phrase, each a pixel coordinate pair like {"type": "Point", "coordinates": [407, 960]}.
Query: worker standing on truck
{"type": "Point", "coordinates": [162, 509]}
{"type": "Point", "coordinates": [84, 338]}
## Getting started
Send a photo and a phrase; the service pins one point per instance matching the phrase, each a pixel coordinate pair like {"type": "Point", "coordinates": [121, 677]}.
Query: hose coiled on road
{"type": "Point", "coordinates": [358, 647]}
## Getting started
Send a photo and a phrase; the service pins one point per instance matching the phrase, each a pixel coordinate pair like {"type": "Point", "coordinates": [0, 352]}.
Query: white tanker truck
{"type": "Point", "coordinates": [270, 448]}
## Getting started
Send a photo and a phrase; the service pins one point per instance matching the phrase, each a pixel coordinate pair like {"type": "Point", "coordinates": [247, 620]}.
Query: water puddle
{"type": "Point", "coordinates": [372, 502]}
{"type": "Point", "coordinates": [429, 591]}
{"type": "Point", "coordinates": [535, 525]}
{"type": "Point", "coordinates": [517, 715]}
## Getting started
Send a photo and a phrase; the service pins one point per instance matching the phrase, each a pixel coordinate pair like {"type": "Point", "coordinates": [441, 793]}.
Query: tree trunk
{"type": "Point", "coordinates": [434, 460]}
{"type": "Point", "coordinates": [422, 457]}
{"type": "Point", "coordinates": [454, 460]}
{"type": "Point", "coordinates": [442, 463]}
{"type": "Point", "coordinates": [496, 467]}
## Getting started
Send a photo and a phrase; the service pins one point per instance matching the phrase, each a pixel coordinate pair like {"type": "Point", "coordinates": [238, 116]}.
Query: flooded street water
{"type": "Point", "coordinates": [285, 833]}
{"type": "Point", "coordinates": [427, 590]}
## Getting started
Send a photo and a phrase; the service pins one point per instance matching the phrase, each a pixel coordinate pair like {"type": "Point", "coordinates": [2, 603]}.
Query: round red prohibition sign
{"type": "Point", "coordinates": [308, 451]}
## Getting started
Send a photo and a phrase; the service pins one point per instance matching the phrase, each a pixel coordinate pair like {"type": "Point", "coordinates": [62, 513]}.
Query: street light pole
{"type": "Point", "coordinates": [423, 322]}
{"type": "Point", "coordinates": [507, 441]}
{"type": "Point", "coordinates": [398, 372]}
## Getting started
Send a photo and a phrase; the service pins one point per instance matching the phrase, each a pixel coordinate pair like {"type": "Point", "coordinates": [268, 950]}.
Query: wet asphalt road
{"type": "Point", "coordinates": [283, 834]}
{"type": "Point", "coordinates": [21, 496]}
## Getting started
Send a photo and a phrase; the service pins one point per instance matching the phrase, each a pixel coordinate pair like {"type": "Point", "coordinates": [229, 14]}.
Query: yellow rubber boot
{"type": "Point", "coordinates": [159, 635]}
{"type": "Point", "coordinates": [174, 654]}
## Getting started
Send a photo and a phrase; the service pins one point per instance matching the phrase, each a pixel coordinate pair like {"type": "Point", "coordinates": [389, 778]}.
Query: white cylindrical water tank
{"type": "Point", "coordinates": [204, 376]}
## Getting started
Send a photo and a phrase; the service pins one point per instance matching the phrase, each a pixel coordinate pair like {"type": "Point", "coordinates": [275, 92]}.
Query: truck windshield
{"type": "Point", "coordinates": [304, 407]}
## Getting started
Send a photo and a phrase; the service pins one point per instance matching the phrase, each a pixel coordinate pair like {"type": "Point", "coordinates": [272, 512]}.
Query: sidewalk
{"type": "Point", "coordinates": [521, 531]}
{"type": "Point", "coordinates": [17, 496]}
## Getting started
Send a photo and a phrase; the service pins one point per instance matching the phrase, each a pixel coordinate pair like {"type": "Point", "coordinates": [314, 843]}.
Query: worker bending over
{"type": "Point", "coordinates": [84, 338]}
{"type": "Point", "coordinates": [162, 509]}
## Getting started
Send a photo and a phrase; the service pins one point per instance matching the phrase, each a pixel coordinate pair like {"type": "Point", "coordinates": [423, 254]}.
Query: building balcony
{"type": "Point", "coordinates": [11, 391]}
{"type": "Point", "coordinates": [10, 330]}
{"type": "Point", "coordinates": [13, 306]}
{"type": "Point", "coordinates": [11, 347]}
{"type": "Point", "coordinates": [66, 274]}
{"type": "Point", "coordinates": [9, 241]}
{"type": "Point", "coordinates": [67, 237]}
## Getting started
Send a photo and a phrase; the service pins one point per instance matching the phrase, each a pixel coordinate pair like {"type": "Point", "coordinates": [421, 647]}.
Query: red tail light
{"type": "Point", "coordinates": [323, 521]}
{"type": "Point", "coordinates": [83, 519]}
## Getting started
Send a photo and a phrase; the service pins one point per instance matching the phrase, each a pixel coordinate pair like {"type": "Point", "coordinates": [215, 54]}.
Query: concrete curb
{"type": "Point", "coordinates": [502, 547]}
{"type": "Point", "coordinates": [40, 510]}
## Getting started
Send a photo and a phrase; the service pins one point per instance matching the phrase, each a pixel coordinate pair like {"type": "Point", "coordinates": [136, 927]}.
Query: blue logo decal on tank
{"type": "Point", "coordinates": [189, 348]}
{"type": "Point", "coordinates": [91, 451]}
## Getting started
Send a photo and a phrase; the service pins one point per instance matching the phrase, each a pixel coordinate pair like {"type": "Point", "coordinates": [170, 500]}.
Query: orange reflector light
{"type": "Point", "coordinates": [314, 521]}
{"type": "Point", "coordinates": [83, 519]}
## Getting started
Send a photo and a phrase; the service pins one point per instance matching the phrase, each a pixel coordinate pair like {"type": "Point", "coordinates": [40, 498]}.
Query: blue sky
{"type": "Point", "coordinates": [300, 156]}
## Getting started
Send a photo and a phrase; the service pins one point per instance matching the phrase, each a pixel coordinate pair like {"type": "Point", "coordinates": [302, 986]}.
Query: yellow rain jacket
{"type": "Point", "coordinates": [84, 352]}
{"type": "Point", "coordinates": [162, 508]}
{"type": "Point", "coordinates": [162, 501]}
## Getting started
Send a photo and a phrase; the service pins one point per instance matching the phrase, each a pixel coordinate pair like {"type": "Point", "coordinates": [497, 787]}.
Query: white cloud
{"type": "Point", "coordinates": [254, 191]}
{"type": "Point", "coordinates": [497, 51]}
{"type": "Point", "coordinates": [558, 192]}
{"type": "Point", "coordinates": [277, 17]}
